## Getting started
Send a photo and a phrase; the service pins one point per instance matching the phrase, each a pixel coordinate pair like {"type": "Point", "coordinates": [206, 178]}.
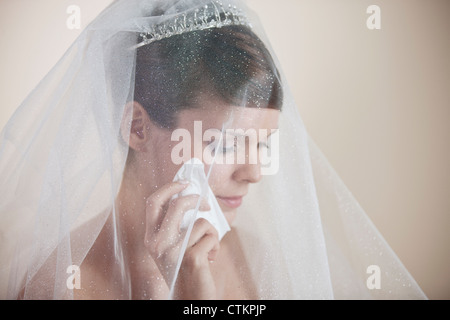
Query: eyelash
{"type": "Point", "coordinates": [228, 149]}
{"type": "Point", "coordinates": [233, 148]}
{"type": "Point", "coordinates": [264, 144]}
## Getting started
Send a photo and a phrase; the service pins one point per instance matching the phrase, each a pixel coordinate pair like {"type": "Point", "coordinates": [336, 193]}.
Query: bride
{"type": "Point", "coordinates": [201, 89]}
{"type": "Point", "coordinates": [92, 206]}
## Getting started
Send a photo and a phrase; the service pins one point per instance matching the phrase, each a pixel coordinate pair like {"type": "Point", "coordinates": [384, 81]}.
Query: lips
{"type": "Point", "coordinates": [232, 202]}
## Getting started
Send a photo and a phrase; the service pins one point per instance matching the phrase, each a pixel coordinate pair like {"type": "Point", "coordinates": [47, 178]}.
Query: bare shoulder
{"type": "Point", "coordinates": [97, 276]}
{"type": "Point", "coordinates": [93, 285]}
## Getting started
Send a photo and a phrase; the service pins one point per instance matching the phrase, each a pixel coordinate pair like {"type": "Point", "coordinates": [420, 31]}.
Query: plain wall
{"type": "Point", "coordinates": [377, 102]}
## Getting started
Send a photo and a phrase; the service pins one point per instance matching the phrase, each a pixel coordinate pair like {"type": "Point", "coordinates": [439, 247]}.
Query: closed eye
{"type": "Point", "coordinates": [223, 148]}
{"type": "Point", "coordinates": [263, 144]}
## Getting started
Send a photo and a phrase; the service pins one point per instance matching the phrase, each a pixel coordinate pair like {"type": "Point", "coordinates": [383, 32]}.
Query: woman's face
{"type": "Point", "coordinates": [235, 166]}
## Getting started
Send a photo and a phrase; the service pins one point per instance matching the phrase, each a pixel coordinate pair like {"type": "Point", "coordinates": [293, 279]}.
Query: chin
{"type": "Point", "coordinates": [230, 215]}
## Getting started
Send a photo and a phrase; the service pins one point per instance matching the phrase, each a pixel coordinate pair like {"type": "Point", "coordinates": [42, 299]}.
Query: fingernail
{"type": "Point", "coordinates": [183, 181]}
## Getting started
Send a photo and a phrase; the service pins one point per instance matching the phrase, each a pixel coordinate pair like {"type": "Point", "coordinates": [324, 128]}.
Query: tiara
{"type": "Point", "coordinates": [212, 15]}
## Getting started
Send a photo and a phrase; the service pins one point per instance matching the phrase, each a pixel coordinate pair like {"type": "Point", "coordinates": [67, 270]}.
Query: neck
{"type": "Point", "coordinates": [131, 219]}
{"type": "Point", "coordinates": [131, 208]}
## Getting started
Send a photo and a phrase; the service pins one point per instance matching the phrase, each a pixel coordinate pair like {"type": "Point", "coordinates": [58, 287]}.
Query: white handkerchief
{"type": "Point", "coordinates": [193, 171]}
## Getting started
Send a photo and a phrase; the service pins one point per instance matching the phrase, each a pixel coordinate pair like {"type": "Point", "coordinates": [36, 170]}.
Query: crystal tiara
{"type": "Point", "coordinates": [212, 15]}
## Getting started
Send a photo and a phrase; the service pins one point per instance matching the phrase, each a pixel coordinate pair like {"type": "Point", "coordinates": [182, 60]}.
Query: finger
{"type": "Point", "coordinates": [156, 201]}
{"type": "Point", "coordinates": [201, 227]}
{"type": "Point", "coordinates": [204, 250]}
{"type": "Point", "coordinates": [177, 208]}
{"type": "Point", "coordinates": [168, 234]}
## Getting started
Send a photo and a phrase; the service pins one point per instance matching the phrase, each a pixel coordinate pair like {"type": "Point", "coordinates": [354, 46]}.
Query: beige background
{"type": "Point", "coordinates": [377, 102]}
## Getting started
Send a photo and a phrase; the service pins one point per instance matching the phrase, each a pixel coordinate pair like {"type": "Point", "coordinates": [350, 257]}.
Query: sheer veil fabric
{"type": "Point", "coordinates": [77, 181]}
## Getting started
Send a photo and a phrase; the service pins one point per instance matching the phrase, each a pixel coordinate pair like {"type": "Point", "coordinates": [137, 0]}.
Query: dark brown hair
{"type": "Point", "coordinates": [229, 62]}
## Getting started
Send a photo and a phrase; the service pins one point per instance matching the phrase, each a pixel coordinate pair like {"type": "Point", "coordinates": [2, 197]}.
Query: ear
{"type": "Point", "coordinates": [135, 126]}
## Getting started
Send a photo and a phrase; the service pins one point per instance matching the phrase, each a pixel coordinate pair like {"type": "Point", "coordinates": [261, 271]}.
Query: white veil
{"type": "Point", "coordinates": [62, 159]}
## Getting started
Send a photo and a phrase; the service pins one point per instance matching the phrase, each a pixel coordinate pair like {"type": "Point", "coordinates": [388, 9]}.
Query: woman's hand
{"type": "Point", "coordinates": [163, 239]}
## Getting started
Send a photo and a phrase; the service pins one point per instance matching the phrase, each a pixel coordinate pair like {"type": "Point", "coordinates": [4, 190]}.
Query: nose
{"type": "Point", "coordinates": [250, 173]}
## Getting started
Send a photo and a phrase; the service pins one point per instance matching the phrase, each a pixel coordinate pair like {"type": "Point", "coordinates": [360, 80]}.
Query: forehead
{"type": "Point", "coordinates": [254, 118]}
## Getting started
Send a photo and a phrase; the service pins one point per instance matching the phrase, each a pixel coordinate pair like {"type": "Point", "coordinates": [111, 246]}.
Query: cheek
{"type": "Point", "coordinates": [164, 172]}
{"type": "Point", "coordinates": [220, 175]}
{"type": "Point", "coordinates": [164, 167]}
